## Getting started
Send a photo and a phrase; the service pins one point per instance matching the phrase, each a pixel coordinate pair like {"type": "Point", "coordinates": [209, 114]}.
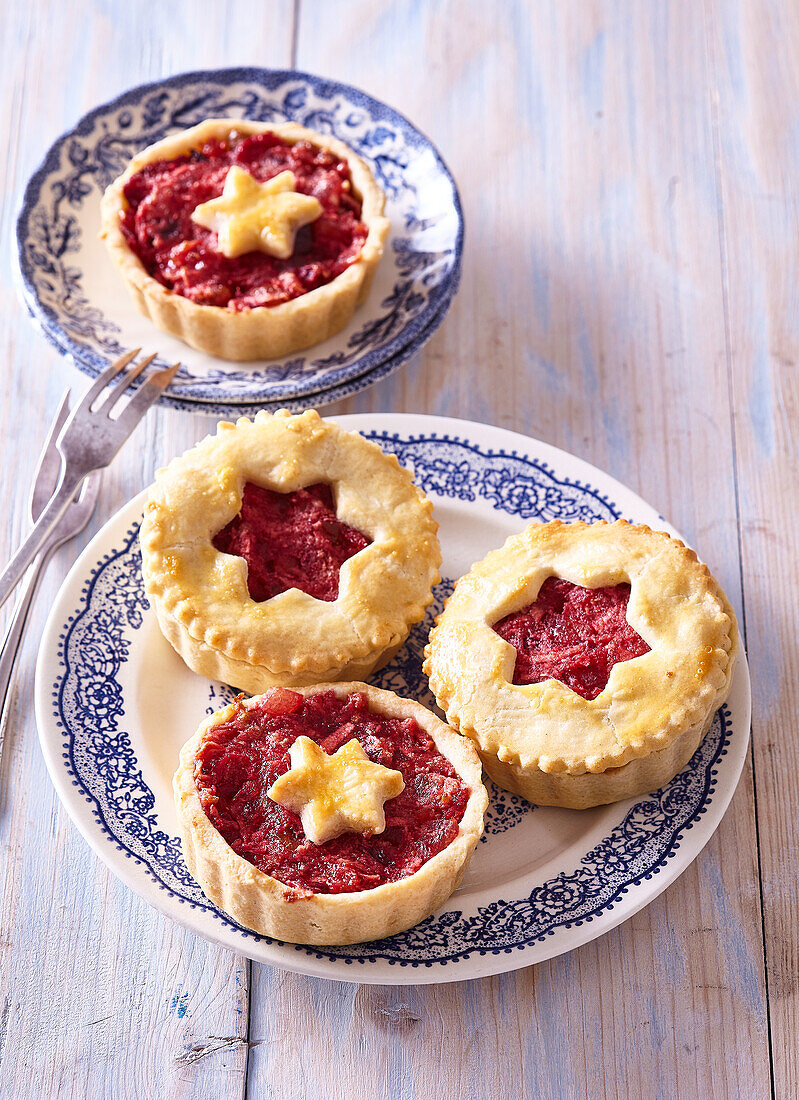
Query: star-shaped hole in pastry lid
{"type": "Point", "coordinates": [342, 793]}
{"type": "Point", "coordinates": [250, 216]}
{"type": "Point", "coordinates": [572, 634]}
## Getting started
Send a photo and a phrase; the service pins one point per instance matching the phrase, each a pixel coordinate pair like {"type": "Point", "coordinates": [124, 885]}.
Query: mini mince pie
{"type": "Point", "coordinates": [246, 240]}
{"type": "Point", "coordinates": [586, 661]}
{"type": "Point", "coordinates": [287, 551]}
{"type": "Point", "coordinates": [329, 814]}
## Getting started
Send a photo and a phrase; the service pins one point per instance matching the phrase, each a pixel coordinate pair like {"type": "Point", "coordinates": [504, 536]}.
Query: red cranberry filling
{"type": "Point", "coordinates": [572, 634]}
{"type": "Point", "coordinates": [290, 540]}
{"type": "Point", "coordinates": [183, 256]}
{"type": "Point", "coordinates": [240, 759]}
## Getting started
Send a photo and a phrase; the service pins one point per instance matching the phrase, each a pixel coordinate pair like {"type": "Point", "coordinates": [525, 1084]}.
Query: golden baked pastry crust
{"type": "Point", "coordinates": [200, 595]}
{"type": "Point", "coordinates": [262, 903]}
{"type": "Point", "coordinates": [265, 332]}
{"type": "Point", "coordinates": [543, 740]}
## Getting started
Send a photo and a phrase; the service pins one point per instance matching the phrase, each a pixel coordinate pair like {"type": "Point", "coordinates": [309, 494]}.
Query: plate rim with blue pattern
{"type": "Point", "coordinates": [332, 393]}
{"type": "Point", "coordinates": [471, 470]}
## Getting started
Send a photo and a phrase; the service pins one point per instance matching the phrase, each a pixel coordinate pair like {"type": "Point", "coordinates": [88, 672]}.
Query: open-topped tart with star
{"type": "Point", "coordinates": [246, 240]}
{"type": "Point", "coordinates": [586, 661]}
{"type": "Point", "coordinates": [285, 550]}
{"type": "Point", "coordinates": [328, 814]}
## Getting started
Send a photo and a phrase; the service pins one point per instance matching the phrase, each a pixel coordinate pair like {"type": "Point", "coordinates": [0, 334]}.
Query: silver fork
{"type": "Point", "coordinates": [89, 441]}
{"type": "Point", "coordinates": [72, 522]}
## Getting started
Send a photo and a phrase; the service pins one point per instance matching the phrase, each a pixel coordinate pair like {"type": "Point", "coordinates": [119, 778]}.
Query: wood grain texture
{"type": "Point", "coordinates": [591, 315]}
{"type": "Point", "coordinates": [756, 53]}
{"type": "Point", "coordinates": [99, 995]}
{"type": "Point", "coordinates": [630, 294]}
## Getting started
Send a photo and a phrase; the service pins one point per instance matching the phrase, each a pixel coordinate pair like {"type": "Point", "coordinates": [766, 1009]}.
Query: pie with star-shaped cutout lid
{"type": "Point", "coordinates": [246, 240]}
{"type": "Point", "coordinates": [285, 551]}
{"type": "Point", "coordinates": [392, 795]}
{"type": "Point", "coordinates": [586, 661]}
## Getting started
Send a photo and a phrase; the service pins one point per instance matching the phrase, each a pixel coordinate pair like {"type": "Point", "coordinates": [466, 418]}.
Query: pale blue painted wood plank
{"type": "Point", "coordinates": [755, 47]}
{"type": "Point", "coordinates": [99, 995]}
{"type": "Point", "coordinates": [591, 315]}
{"type": "Point", "coordinates": [597, 325]}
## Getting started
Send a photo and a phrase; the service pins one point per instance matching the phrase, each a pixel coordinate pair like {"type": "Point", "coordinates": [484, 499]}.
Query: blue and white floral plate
{"type": "Point", "coordinates": [73, 291]}
{"type": "Point", "coordinates": [114, 704]}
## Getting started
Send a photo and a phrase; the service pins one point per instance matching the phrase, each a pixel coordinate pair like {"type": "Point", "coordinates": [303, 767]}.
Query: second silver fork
{"type": "Point", "coordinates": [89, 440]}
{"type": "Point", "coordinates": [72, 522]}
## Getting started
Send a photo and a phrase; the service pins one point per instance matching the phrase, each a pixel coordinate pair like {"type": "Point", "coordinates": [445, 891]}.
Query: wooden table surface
{"type": "Point", "coordinates": [630, 293]}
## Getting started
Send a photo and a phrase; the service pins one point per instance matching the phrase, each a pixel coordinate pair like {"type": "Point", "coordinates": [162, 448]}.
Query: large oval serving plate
{"type": "Point", "coordinates": [114, 705]}
{"type": "Point", "coordinates": [73, 291]}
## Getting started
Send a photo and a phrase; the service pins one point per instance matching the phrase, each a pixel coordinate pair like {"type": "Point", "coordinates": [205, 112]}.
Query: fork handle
{"type": "Point", "coordinates": [13, 638]}
{"type": "Point", "coordinates": [15, 570]}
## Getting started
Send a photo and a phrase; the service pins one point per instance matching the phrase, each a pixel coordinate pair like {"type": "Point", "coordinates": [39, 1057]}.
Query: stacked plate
{"type": "Point", "coordinates": [73, 292]}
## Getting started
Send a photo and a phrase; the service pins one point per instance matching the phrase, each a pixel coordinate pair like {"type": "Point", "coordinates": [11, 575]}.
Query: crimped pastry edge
{"type": "Point", "coordinates": [583, 791]}
{"type": "Point", "coordinates": [547, 773]}
{"type": "Point", "coordinates": [265, 905]}
{"type": "Point", "coordinates": [255, 679]}
{"type": "Point", "coordinates": [263, 332]}
{"type": "Point", "coordinates": [254, 662]}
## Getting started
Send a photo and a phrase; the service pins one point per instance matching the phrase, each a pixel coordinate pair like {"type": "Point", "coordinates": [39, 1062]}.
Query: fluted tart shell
{"type": "Point", "coordinates": [269, 907]}
{"type": "Point", "coordinates": [263, 332]}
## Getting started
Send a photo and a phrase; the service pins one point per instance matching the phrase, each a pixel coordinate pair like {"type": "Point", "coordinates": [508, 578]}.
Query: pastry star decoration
{"type": "Point", "coordinates": [342, 793]}
{"type": "Point", "coordinates": [250, 216]}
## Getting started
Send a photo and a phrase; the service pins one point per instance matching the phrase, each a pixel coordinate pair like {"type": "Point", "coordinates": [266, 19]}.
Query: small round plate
{"type": "Point", "coordinates": [114, 704]}
{"type": "Point", "coordinates": [73, 291]}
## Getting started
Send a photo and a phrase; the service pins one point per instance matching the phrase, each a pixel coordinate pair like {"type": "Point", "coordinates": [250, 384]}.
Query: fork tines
{"type": "Point", "coordinates": [159, 379]}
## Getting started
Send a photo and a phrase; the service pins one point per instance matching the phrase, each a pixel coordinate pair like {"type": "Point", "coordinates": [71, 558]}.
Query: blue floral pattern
{"type": "Point", "coordinates": [82, 163]}
{"type": "Point", "coordinates": [89, 708]}
{"type": "Point", "coordinates": [504, 810]}
{"type": "Point", "coordinates": [513, 483]}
